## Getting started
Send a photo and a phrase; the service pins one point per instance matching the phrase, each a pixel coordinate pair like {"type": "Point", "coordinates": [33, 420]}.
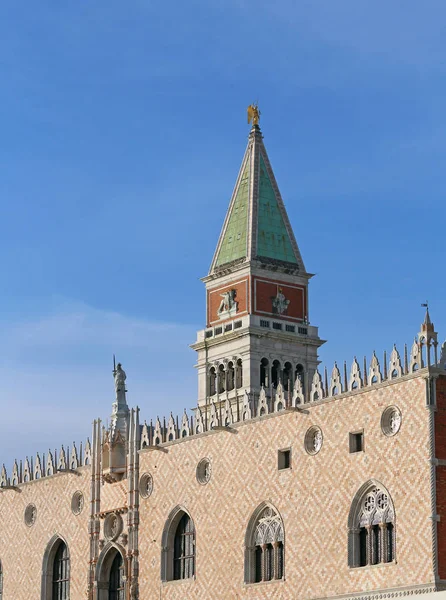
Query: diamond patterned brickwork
{"type": "Point", "coordinates": [113, 496]}
{"type": "Point", "coordinates": [313, 497]}
{"type": "Point", "coordinates": [440, 453]}
{"type": "Point", "coordinates": [22, 548]}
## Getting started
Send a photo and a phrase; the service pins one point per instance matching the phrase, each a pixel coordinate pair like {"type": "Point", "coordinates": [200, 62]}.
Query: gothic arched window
{"type": "Point", "coordinates": [56, 570]}
{"type": "Point", "coordinates": [264, 552]}
{"type": "Point", "coordinates": [61, 573]}
{"type": "Point", "coordinates": [116, 581]}
{"type": "Point", "coordinates": [178, 543]}
{"type": "Point", "coordinates": [184, 549]}
{"type": "Point", "coordinates": [371, 527]}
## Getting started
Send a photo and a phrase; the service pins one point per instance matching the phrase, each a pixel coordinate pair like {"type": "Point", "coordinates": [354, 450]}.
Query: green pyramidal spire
{"type": "Point", "coordinates": [256, 226]}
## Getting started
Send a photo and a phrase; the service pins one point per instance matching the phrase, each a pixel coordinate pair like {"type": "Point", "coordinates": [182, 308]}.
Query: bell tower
{"type": "Point", "coordinates": [258, 331]}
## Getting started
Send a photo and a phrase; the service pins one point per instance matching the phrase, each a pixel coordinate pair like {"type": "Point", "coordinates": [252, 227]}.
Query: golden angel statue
{"type": "Point", "coordinates": [253, 114]}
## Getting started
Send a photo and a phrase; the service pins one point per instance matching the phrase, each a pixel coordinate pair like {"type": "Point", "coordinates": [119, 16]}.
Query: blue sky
{"type": "Point", "coordinates": [122, 129]}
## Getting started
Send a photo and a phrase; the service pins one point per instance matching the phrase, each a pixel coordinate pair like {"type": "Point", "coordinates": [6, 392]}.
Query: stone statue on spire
{"type": "Point", "coordinates": [120, 377]}
{"type": "Point", "coordinates": [120, 409]}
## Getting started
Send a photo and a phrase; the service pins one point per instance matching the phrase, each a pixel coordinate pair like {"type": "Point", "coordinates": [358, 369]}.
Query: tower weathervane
{"type": "Point", "coordinates": [253, 114]}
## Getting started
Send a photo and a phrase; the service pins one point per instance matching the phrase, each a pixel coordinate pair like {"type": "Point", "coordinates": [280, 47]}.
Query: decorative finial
{"type": "Point", "coordinates": [427, 318]}
{"type": "Point", "coordinates": [253, 114]}
{"type": "Point", "coordinates": [114, 364]}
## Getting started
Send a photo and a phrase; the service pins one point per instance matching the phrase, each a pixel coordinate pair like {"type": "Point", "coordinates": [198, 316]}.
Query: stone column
{"type": "Point", "coordinates": [384, 545]}
{"type": "Point", "coordinates": [369, 544]}
{"type": "Point", "coordinates": [264, 562]}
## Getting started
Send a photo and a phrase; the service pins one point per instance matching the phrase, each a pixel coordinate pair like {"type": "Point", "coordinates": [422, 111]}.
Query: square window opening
{"type": "Point", "coordinates": [356, 442]}
{"type": "Point", "coordinates": [284, 459]}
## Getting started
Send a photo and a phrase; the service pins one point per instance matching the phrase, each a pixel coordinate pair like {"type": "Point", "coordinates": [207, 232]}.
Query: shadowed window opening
{"type": "Point", "coordinates": [61, 573]}
{"type": "Point", "coordinates": [184, 549]}
{"type": "Point", "coordinates": [116, 583]}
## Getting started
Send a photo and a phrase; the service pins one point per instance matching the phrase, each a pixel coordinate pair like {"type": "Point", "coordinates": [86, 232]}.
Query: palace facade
{"type": "Point", "coordinates": [286, 482]}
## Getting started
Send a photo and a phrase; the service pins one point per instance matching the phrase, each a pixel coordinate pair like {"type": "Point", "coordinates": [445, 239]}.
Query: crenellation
{"type": "Point", "coordinates": [43, 466]}
{"type": "Point", "coordinates": [49, 468]}
{"type": "Point", "coordinates": [375, 375]}
{"type": "Point", "coordinates": [62, 463]}
{"type": "Point", "coordinates": [317, 391]}
{"type": "Point", "coordinates": [227, 413]}
{"type": "Point", "coordinates": [416, 359]}
{"type": "Point", "coordinates": [172, 432]}
{"type": "Point", "coordinates": [395, 367]}
{"type": "Point", "coordinates": [355, 381]}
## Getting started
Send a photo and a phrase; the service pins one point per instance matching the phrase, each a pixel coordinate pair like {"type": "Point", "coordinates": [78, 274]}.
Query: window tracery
{"type": "Point", "coordinates": [371, 527]}
{"type": "Point", "coordinates": [265, 547]}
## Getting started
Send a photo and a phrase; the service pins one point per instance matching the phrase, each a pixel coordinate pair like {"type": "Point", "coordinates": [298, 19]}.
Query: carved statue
{"type": "Point", "coordinates": [228, 303]}
{"type": "Point", "coordinates": [280, 303]}
{"type": "Point", "coordinates": [120, 377]}
{"type": "Point", "coordinates": [253, 114]}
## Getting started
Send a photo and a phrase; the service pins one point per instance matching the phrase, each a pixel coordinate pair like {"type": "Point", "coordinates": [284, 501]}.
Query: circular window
{"type": "Point", "coordinates": [204, 471]}
{"type": "Point", "coordinates": [30, 515]}
{"type": "Point", "coordinates": [146, 485]}
{"type": "Point", "coordinates": [391, 421]}
{"type": "Point", "coordinates": [77, 503]}
{"type": "Point", "coordinates": [112, 526]}
{"type": "Point", "coordinates": [313, 440]}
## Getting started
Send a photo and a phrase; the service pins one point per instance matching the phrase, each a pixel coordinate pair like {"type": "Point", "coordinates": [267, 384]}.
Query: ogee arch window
{"type": "Point", "coordinates": [264, 552]}
{"type": "Point", "coordinates": [371, 527]}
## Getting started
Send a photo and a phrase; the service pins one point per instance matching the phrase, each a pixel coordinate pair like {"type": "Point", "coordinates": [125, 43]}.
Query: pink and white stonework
{"type": "Point", "coordinates": [288, 481]}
